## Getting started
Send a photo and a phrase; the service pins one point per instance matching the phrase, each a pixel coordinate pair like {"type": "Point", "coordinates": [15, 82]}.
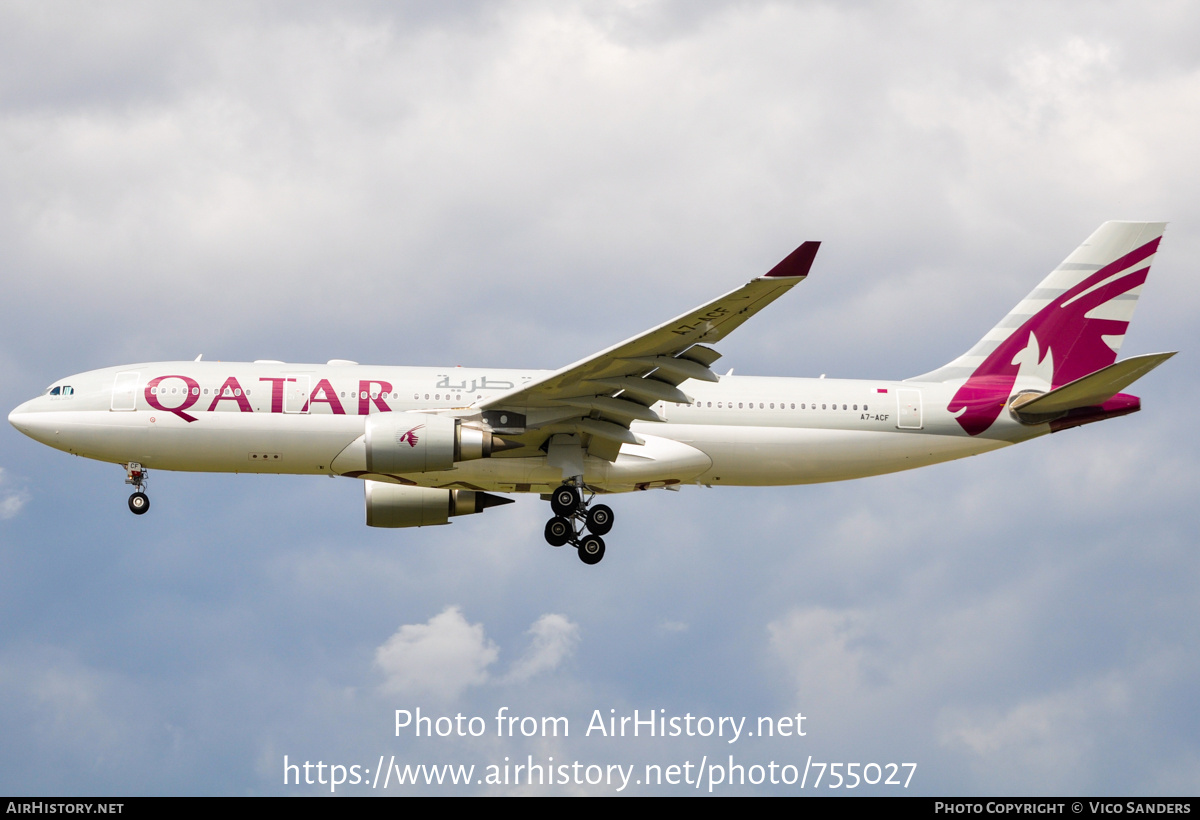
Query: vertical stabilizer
{"type": "Point", "coordinates": [1070, 326]}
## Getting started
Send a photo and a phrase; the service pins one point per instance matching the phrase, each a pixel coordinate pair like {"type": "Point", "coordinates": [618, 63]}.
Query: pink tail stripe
{"type": "Point", "coordinates": [1075, 344]}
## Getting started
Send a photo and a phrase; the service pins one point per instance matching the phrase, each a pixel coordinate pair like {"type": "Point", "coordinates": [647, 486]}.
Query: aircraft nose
{"type": "Point", "coordinates": [24, 419]}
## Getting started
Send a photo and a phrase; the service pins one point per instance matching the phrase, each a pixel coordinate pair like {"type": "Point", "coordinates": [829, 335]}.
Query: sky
{"type": "Point", "coordinates": [520, 184]}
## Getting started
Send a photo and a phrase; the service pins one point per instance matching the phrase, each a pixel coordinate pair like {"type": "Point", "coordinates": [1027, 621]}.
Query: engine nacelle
{"type": "Point", "coordinates": [419, 443]}
{"type": "Point", "coordinates": [400, 505]}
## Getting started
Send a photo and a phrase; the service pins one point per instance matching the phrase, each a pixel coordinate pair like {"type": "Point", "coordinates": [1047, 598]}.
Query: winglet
{"type": "Point", "coordinates": [797, 263]}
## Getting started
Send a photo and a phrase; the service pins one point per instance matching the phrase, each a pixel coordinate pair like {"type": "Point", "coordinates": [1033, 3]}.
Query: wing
{"type": "Point", "coordinates": [599, 396]}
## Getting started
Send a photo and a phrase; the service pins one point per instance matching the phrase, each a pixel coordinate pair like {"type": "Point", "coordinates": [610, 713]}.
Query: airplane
{"type": "Point", "coordinates": [434, 443]}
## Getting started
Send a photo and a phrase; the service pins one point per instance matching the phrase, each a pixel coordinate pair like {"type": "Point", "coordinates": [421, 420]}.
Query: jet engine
{"type": "Point", "coordinates": [418, 443]}
{"type": "Point", "coordinates": [400, 505]}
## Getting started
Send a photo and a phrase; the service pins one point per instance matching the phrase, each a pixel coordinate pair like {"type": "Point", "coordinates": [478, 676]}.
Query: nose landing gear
{"type": "Point", "coordinates": [135, 474]}
{"type": "Point", "coordinates": [578, 523]}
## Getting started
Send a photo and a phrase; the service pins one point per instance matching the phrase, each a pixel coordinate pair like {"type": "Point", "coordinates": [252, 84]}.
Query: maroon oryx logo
{"type": "Point", "coordinates": [410, 437]}
{"type": "Point", "coordinates": [1072, 334]}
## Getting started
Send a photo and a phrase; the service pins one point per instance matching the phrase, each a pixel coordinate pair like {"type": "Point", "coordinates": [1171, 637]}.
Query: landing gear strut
{"type": "Point", "coordinates": [577, 523]}
{"type": "Point", "coordinates": [135, 474]}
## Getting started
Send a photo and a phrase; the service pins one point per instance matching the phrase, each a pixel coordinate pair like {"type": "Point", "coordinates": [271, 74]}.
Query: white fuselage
{"type": "Point", "coordinates": [310, 419]}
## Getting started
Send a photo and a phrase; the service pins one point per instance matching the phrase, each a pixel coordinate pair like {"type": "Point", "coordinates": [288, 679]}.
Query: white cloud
{"type": "Point", "coordinates": [445, 656]}
{"type": "Point", "coordinates": [554, 639]}
{"type": "Point", "coordinates": [1045, 742]}
{"type": "Point", "coordinates": [11, 501]}
{"type": "Point", "coordinates": [12, 504]}
{"type": "Point", "coordinates": [65, 699]}
{"type": "Point", "coordinates": [440, 659]}
{"type": "Point", "coordinates": [817, 645]}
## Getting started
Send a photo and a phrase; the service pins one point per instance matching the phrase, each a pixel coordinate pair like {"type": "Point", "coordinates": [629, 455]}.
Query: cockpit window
{"type": "Point", "coordinates": [55, 391]}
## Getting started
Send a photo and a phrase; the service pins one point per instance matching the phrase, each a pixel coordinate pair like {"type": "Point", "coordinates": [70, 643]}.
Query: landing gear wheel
{"type": "Point", "coordinates": [591, 549]}
{"type": "Point", "coordinates": [565, 500]}
{"type": "Point", "coordinates": [139, 503]}
{"type": "Point", "coordinates": [600, 519]}
{"type": "Point", "coordinates": [558, 531]}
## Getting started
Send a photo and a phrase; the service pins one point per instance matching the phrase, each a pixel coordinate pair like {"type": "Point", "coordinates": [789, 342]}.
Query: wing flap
{"type": "Point", "coordinates": [608, 430]}
{"type": "Point", "coordinates": [619, 408]}
{"type": "Point", "coordinates": [677, 369]}
{"type": "Point", "coordinates": [652, 389]}
{"type": "Point", "coordinates": [701, 354]}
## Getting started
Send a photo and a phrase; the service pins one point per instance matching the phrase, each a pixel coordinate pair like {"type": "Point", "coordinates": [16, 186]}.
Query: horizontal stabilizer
{"type": "Point", "coordinates": [1091, 390]}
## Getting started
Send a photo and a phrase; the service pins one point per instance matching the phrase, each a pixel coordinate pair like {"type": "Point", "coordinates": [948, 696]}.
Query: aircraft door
{"type": "Point", "coordinates": [908, 409]}
{"type": "Point", "coordinates": [124, 393]}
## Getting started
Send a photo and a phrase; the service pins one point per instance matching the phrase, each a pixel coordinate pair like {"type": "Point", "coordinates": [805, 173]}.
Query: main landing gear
{"type": "Point", "coordinates": [135, 474]}
{"type": "Point", "coordinates": [578, 523]}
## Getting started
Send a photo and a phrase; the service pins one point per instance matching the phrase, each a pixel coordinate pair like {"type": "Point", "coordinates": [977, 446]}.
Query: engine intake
{"type": "Point", "coordinates": [418, 443]}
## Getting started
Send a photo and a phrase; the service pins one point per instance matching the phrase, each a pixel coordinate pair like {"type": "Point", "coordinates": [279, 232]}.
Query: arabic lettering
{"type": "Point", "coordinates": [483, 383]}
